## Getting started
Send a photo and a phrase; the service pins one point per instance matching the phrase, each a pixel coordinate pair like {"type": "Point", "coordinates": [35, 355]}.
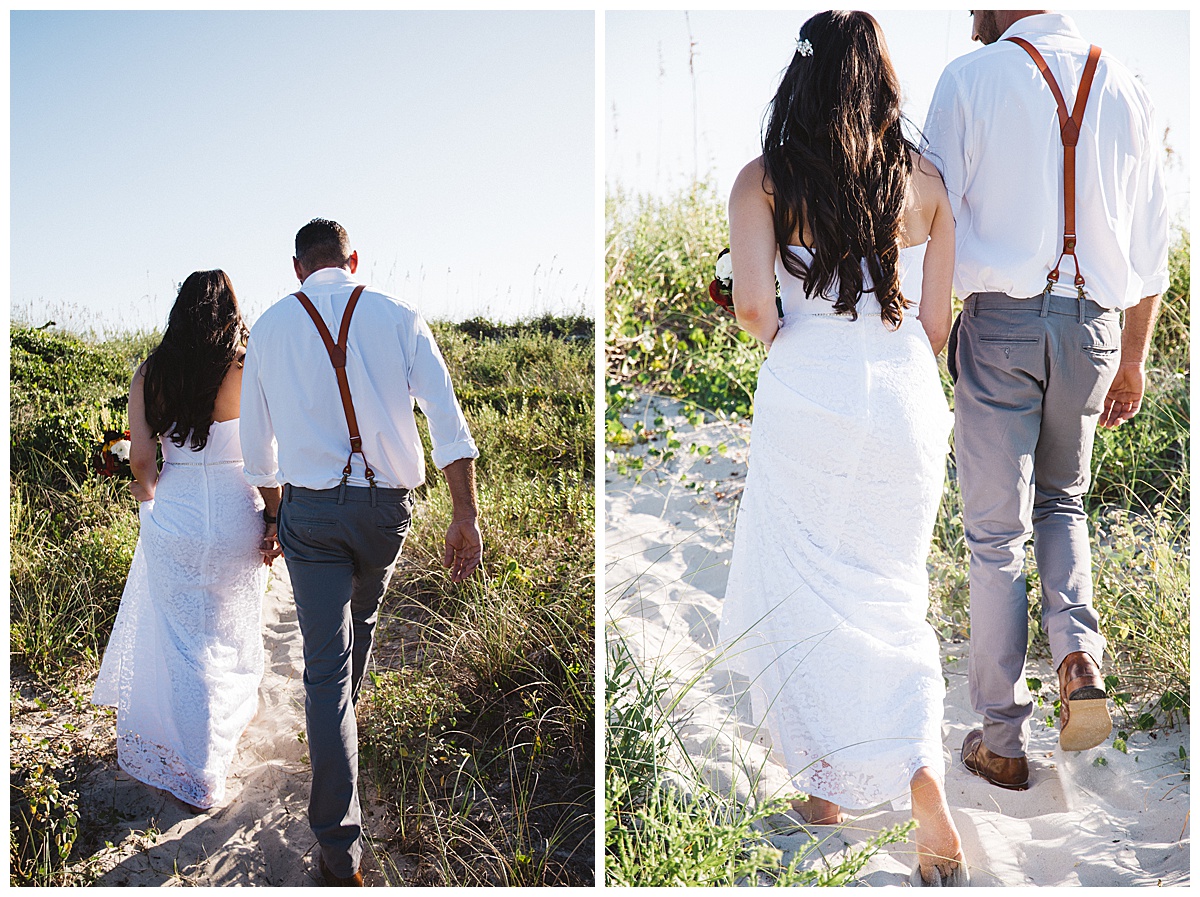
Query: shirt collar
{"type": "Point", "coordinates": [328, 277]}
{"type": "Point", "coordinates": [1043, 24]}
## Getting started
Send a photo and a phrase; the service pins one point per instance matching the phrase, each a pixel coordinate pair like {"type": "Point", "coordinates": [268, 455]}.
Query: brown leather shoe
{"type": "Point", "coordinates": [1007, 772]}
{"type": "Point", "coordinates": [332, 881]}
{"type": "Point", "coordinates": [1083, 718]}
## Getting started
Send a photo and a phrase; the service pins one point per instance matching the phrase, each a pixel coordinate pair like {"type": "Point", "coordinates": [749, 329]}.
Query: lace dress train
{"type": "Point", "coordinates": [185, 658]}
{"type": "Point", "coordinates": [828, 591]}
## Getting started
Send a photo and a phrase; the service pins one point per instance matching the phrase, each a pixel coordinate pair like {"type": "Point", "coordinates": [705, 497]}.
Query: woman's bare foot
{"type": "Point", "coordinates": [817, 811]}
{"type": "Point", "coordinates": [937, 838]}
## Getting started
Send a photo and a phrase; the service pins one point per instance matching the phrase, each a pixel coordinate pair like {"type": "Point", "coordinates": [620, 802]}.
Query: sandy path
{"type": "Point", "coordinates": [1099, 817]}
{"type": "Point", "coordinates": [259, 835]}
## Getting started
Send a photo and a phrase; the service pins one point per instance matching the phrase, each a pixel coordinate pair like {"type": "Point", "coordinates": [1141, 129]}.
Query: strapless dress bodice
{"type": "Point", "coordinates": [224, 446]}
{"type": "Point", "coordinates": [795, 302]}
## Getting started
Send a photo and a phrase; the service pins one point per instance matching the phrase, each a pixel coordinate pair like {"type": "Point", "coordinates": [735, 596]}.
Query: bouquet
{"type": "Point", "coordinates": [113, 452]}
{"type": "Point", "coordinates": [721, 289]}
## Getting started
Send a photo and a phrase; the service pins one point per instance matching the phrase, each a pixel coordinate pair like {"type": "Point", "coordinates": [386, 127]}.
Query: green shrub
{"type": "Point", "coordinates": [1142, 575]}
{"type": "Point", "coordinates": [662, 330]}
{"type": "Point", "coordinates": [44, 823]}
{"type": "Point", "coordinates": [64, 393]}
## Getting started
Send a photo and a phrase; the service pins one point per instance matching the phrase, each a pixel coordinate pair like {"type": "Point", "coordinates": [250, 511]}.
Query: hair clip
{"type": "Point", "coordinates": [804, 47]}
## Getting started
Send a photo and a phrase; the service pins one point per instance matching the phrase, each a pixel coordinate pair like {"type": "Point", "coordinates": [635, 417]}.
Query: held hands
{"type": "Point", "coordinates": [141, 491]}
{"type": "Point", "coordinates": [464, 548]}
{"type": "Point", "coordinates": [1124, 398]}
{"type": "Point", "coordinates": [269, 547]}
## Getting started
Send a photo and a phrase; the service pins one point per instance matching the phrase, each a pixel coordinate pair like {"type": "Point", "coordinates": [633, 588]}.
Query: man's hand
{"type": "Point", "coordinates": [464, 548]}
{"type": "Point", "coordinates": [1124, 398]}
{"type": "Point", "coordinates": [464, 544]}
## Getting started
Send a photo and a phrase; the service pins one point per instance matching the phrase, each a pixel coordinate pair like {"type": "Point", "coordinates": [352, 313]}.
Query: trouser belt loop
{"type": "Point", "coordinates": [1045, 302]}
{"type": "Point", "coordinates": [374, 494]}
{"type": "Point", "coordinates": [1082, 308]}
{"type": "Point", "coordinates": [342, 492]}
{"type": "Point", "coordinates": [287, 491]}
{"type": "Point", "coordinates": [973, 302]}
{"type": "Point", "coordinates": [1121, 316]}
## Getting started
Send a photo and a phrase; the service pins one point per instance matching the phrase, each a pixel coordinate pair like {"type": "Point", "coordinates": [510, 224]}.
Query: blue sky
{"type": "Point", "coordinates": [653, 144]}
{"type": "Point", "coordinates": [458, 150]}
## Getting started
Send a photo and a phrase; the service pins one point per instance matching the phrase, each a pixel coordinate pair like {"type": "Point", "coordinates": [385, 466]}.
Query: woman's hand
{"type": "Point", "coordinates": [269, 547]}
{"type": "Point", "coordinates": [141, 491]}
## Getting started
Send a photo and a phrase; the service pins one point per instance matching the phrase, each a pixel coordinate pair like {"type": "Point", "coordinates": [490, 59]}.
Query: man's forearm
{"type": "Point", "coordinates": [271, 496]}
{"type": "Point", "coordinates": [460, 477]}
{"type": "Point", "coordinates": [1139, 327]}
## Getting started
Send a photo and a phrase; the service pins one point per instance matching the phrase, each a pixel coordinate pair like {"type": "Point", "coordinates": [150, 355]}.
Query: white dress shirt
{"type": "Point", "coordinates": [293, 426]}
{"type": "Point", "coordinates": [993, 132]}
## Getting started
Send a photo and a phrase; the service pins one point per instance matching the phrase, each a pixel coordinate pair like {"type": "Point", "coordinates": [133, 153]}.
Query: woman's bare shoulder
{"type": "Point", "coordinates": [753, 179]}
{"type": "Point", "coordinates": [927, 180]}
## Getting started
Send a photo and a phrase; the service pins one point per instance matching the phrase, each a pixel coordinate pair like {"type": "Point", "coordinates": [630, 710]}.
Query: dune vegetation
{"type": "Point", "coordinates": [479, 743]}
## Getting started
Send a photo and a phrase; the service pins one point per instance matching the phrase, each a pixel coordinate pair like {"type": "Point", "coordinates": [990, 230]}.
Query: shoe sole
{"type": "Point", "coordinates": [1088, 724]}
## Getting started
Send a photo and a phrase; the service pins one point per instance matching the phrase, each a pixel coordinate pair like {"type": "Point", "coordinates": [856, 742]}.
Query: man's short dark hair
{"type": "Point", "coordinates": [322, 244]}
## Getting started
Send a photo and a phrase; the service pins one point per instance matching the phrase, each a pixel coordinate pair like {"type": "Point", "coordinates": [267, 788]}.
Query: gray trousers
{"type": "Point", "coordinates": [1032, 375]}
{"type": "Point", "coordinates": [340, 557]}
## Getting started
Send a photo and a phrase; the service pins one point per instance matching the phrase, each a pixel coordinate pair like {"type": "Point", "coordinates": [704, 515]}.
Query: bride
{"type": "Point", "coordinates": [827, 595]}
{"type": "Point", "coordinates": [185, 658]}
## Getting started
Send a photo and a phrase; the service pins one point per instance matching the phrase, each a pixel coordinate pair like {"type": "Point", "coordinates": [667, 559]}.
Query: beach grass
{"type": "Point", "coordinates": [479, 742]}
{"type": "Point", "coordinates": [501, 790]}
{"type": "Point", "coordinates": [666, 825]}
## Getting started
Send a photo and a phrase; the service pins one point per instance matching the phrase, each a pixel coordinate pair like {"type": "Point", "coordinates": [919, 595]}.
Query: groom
{"type": "Point", "coordinates": [330, 420]}
{"type": "Point", "coordinates": [1039, 363]}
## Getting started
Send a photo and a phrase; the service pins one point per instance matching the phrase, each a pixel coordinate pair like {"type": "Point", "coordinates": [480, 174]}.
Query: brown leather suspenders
{"type": "Point", "coordinates": [1069, 126]}
{"type": "Point", "coordinates": [337, 356]}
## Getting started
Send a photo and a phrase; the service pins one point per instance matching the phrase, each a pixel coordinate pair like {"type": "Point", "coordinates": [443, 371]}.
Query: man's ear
{"type": "Point", "coordinates": [299, 271]}
{"type": "Point", "coordinates": [353, 261]}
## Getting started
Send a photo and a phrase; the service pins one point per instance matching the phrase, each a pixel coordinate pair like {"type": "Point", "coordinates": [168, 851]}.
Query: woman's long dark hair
{"type": "Point", "coordinates": [205, 334]}
{"type": "Point", "coordinates": [835, 155]}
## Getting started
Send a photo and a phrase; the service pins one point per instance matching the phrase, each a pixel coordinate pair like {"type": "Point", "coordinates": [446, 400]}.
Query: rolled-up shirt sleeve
{"type": "Point", "coordinates": [429, 383]}
{"type": "Point", "coordinates": [259, 451]}
{"type": "Point", "coordinates": [1149, 238]}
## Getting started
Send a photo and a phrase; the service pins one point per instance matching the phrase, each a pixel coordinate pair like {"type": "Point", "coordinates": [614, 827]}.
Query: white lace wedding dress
{"type": "Point", "coordinates": [185, 658]}
{"type": "Point", "coordinates": [828, 591]}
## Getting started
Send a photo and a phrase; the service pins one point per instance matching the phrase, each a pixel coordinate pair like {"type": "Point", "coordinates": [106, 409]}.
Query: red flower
{"type": "Point", "coordinates": [719, 294]}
